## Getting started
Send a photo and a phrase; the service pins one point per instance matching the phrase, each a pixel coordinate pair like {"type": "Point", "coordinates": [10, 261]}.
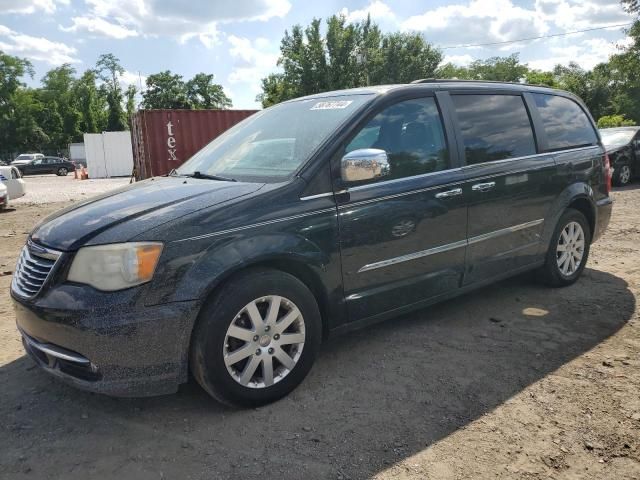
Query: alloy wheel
{"type": "Point", "coordinates": [570, 249]}
{"type": "Point", "coordinates": [264, 341]}
{"type": "Point", "coordinates": [625, 174]}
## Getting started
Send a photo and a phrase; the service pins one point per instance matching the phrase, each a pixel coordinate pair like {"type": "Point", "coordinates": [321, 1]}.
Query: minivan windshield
{"type": "Point", "coordinates": [272, 144]}
{"type": "Point", "coordinates": [616, 138]}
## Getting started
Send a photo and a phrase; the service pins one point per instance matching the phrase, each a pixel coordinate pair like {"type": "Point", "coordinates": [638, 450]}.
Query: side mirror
{"type": "Point", "coordinates": [364, 164]}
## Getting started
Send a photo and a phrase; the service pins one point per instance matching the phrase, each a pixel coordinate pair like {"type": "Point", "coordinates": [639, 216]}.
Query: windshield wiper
{"type": "Point", "coordinates": [206, 176]}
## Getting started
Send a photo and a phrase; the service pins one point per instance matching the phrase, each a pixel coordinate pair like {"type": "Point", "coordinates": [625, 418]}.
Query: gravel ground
{"type": "Point", "coordinates": [43, 189]}
{"type": "Point", "coordinates": [512, 381]}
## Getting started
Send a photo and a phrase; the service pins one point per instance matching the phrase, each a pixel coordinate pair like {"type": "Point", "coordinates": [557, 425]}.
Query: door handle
{"type": "Point", "coordinates": [449, 193]}
{"type": "Point", "coordinates": [483, 187]}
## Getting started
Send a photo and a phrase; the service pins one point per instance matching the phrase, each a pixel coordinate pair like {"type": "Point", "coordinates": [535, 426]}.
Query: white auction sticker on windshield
{"type": "Point", "coordinates": [334, 105]}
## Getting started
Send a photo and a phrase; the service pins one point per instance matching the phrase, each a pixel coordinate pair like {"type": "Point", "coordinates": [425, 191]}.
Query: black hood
{"type": "Point", "coordinates": [127, 212]}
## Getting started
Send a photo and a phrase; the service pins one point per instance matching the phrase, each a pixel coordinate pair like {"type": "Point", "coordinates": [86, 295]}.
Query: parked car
{"type": "Point", "coordinates": [26, 158]}
{"type": "Point", "coordinates": [11, 178]}
{"type": "Point", "coordinates": [4, 197]}
{"type": "Point", "coordinates": [623, 147]}
{"type": "Point", "coordinates": [241, 261]}
{"type": "Point", "coordinates": [41, 166]}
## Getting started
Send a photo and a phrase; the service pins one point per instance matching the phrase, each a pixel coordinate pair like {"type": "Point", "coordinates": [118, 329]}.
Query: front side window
{"type": "Point", "coordinates": [272, 144]}
{"type": "Point", "coordinates": [565, 123]}
{"type": "Point", "coordinates": [411, 133]}
{"type": "Point", "coordinates": [494, 127]}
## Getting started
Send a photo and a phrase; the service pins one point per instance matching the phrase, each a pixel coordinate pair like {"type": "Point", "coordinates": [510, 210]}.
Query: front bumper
{"type": "Point", "coordinates": [604, 208]}
{"type": "Point", "coordinates": [119, 351]}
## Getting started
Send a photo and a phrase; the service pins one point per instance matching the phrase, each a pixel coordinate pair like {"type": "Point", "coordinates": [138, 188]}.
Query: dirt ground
{"type": "Point", "coordinates": [512, 381]}
{"type": "Point", "coordinates": [43, 189]}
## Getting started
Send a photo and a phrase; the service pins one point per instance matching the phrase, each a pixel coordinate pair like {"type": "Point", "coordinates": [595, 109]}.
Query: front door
{"type": "Point", "coordinates": [509, 186]}
{"type": "Point", "coordinates": [403, 236]}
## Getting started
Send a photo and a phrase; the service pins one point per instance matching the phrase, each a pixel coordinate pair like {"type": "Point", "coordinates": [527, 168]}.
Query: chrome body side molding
{"type": "Point", "coordinates": [449, 246]}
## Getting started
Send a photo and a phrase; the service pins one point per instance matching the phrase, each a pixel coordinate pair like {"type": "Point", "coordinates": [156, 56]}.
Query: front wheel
{"type": "Point", "coordinates": [256, 339]}
{"type": "Point", "coordinates": [568, 251]}
{"type": "Point", "coordinates": [62, 172]}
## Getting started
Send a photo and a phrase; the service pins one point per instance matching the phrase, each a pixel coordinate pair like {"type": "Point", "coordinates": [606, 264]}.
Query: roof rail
{"type": "Point", "coordinates": [457, 80]}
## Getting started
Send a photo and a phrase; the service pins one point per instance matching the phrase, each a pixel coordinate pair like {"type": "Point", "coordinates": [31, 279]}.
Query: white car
{"type": "Point", "coordinates": [4, 196]}
{"type": "Point", "coordinates": [11, 179]}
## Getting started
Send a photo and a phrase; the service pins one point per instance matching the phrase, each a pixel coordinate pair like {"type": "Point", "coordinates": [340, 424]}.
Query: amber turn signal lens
{"type": "Point", "coordinates": [148, 256]}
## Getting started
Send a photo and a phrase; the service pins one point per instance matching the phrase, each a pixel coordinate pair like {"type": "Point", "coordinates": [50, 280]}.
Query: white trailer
{"type": "Point", "coordinates": [109, 154]}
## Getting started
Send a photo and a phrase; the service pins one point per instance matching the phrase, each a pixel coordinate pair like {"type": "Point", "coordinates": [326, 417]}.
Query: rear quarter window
{"type": "Point", "coordinates": [565, 122]}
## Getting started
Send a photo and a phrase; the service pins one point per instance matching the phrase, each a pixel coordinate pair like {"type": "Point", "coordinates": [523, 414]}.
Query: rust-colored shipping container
{"type": "Point", "coordinates": [165, 139]}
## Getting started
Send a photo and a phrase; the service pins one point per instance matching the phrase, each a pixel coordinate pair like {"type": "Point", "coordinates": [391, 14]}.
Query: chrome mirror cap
{"type": "Point", "coordinates": [364, 164]}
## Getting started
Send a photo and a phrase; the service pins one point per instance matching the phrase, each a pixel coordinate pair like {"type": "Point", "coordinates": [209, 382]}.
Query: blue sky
{"type": "Point", "coordinates": [239, 40]}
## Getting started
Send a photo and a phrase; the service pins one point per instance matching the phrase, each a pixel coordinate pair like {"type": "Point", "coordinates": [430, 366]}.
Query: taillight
{"type": "Point", "coordinates": [607, 173]}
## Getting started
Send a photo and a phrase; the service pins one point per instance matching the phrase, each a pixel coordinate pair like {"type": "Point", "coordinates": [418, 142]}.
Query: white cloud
{"type": "Point", "coordinates": [30, 6]}
{"type": "Point", "coordinates": [486, 21]}
{"type": "Point", "coordinates": [100, 26]}
{"type": "Point", "coordinates": [577, 14]}
{"type": "Point", "coordinates": [132, 78]}
{"type": "Point", "coordinates": [183, 20]}
{"type": "Point", "coordinates": [478, 21]}
{"type": "Point", "coordinates": [376, 9]}
{"type": "Point", "coordinates": [459, 60]}
{"type": "Point", "coordinates": [36, 48]}
{"type": "Point", "coordinates": [253, 60]}
{"type": "Point", "coordinates": [587, 53]}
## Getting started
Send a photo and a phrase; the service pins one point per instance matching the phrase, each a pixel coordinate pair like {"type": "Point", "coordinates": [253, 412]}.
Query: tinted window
{"type": "Point", "coordinates": [411, 133]}
{"type": "Point", "coordinates": [565, 123]}
{"type": "Point", "coordinates": [494, 127]}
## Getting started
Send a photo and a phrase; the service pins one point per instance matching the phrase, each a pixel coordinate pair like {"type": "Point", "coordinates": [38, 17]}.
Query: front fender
{"type": "Point", "coordinates": [223, 258]}
{"type": "Point", "coordinates": [189, 269]}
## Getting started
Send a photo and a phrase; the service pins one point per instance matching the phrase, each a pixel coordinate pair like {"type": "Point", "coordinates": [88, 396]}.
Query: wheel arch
{"type": "Point", "coordinates": [585, 206]}
{"type": "Point", "coordinates": [579, 196]}
{"type": "Point", "coordinates": [291, 264]}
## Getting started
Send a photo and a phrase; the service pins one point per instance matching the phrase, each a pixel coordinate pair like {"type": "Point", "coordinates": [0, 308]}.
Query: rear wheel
{"type": "Point", "coordinates": [62, 172]}
{"type": "Point", "coordinates": [256, 339]}
{"type": "Point", "coordinates": [622, 175]}
{"type": "Point", "coordinates": [568, 251]}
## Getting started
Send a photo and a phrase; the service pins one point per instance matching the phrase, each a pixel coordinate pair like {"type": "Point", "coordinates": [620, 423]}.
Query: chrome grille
{"type": "Point", "coordinates": [33, 268]}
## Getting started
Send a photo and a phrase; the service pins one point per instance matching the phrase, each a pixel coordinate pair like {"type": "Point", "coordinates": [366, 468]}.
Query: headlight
{"type": "Point", "coordinates": [115, 266]}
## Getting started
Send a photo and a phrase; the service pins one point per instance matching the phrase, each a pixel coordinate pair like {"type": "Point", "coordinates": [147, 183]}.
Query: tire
{"type": "Point", "coordinates": [622, 175]}
{"type": "Point", "coordinates": [62, 172]}
{"type": "Point", "coordinates": [214, 344]}
{"type": "Point", "coordinates": [555, 273]}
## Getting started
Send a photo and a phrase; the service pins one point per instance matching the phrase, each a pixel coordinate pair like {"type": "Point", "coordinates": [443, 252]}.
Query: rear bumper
{"type": "Point", "coordinates": [118, 352]}
{"type": "Point", "coordinates": [604, 208]}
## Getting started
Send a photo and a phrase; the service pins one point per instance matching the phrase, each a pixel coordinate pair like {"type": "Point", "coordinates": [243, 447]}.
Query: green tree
{"type": "Point", "coordinates": [15, 109]}
{"type": "Point", "coordinates": [501, 69]}
{"type": "Point", "coordinates": [91, 103]}
{"type": "Point", "coordinates": [610, 121]}
{"type": "Point", "coordinates": [165, 90]}
{"type": "Point", "coordinates": [348, 55]}
{"type": "Point", "coordinates": [631, 6]}
{"type": "Point", "coordinates": [130, 95]}
{"type": "Point", "coordinates": [61, 118]}
{"type": "Point", "coordinates": [203, 93]}
{"type": "Point", "coordinates": [539, 77]}
{"type": "Point", "coordinates": [109, 71]}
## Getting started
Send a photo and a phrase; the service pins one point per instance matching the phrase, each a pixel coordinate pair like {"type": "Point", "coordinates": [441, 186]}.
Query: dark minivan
{"type": "Point", "coordinates": [312, 217]}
